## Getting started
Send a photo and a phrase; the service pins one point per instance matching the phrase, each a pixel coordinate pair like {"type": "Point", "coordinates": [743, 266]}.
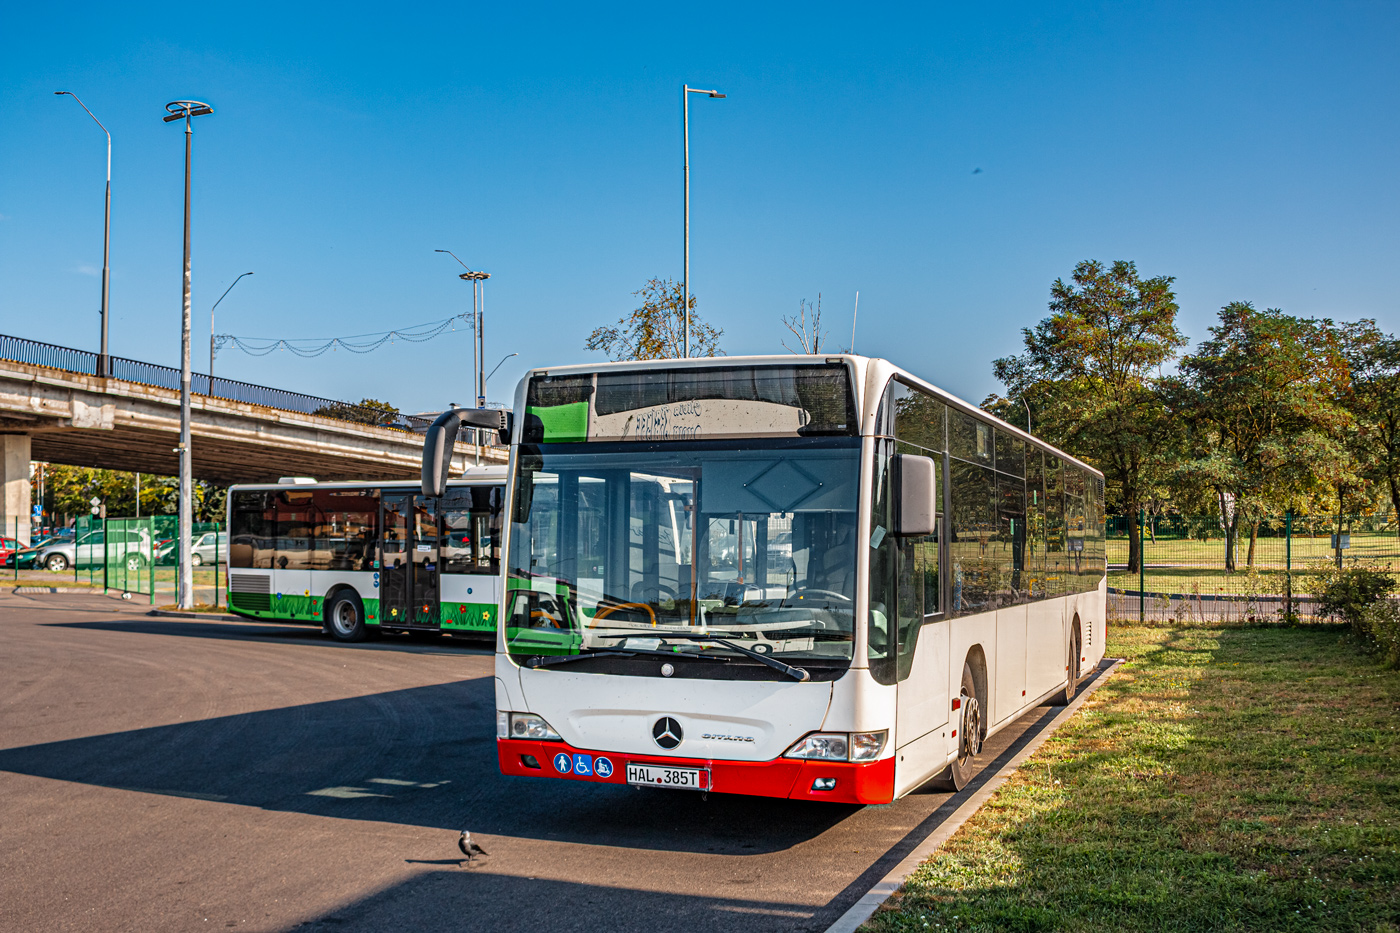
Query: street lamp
{"type": "Point", "coordinates": [686, 91]}
{"type": "Point", "coordinates": [478, 280]}
{"type": "Point", "coordinates": [211, 330]}
{"type": "Point", "coordinates": [493, 371]}
{"type": "Point", "coordinates": [185, 110]}
{"type": "Point", "coordinates": [102, 359]}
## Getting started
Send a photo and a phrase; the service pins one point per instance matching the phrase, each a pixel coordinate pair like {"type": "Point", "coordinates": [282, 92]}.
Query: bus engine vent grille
{"type": "Point", "coordinates": [249, 583]}
{"type": "Point", "coordinates": [250, 602]}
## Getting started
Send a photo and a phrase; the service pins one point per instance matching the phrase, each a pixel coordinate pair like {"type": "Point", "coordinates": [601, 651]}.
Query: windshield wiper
{"type": "Point", "coordinates": [549, 660]}
{"type": "Point", "coordinates": [796, 673]}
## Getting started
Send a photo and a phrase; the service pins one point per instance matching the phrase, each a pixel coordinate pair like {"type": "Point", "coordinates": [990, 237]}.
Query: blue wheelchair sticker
{"type": "Point", "coordinates": [562, 763]}
{"type": "Point", "coordinates": [602, 767]}
{"type": "Point", "coordinates": [583, 765]}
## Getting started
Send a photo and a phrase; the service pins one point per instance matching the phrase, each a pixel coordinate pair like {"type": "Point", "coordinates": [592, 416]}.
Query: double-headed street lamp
{"type": "Point", "coordinates": [478, 280]}
{"type": "Point", "coordinates": [185, 110]}
{"type": "Point", "coordinates": [686, 91]}
{"type": "Point", "coordinates": [102, 358]}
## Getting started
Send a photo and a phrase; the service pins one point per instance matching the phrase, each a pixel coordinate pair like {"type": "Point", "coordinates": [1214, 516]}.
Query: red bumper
{"type": "Point", "coordinates": [867, 782]}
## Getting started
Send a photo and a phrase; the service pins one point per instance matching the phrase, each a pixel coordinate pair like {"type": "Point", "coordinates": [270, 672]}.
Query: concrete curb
{"type": "Point", "coordinates": [206, 616]}
{"type": "Point", "coordinates": [57, 589]}
{"type": "Point", "coordinates": [865, 908]}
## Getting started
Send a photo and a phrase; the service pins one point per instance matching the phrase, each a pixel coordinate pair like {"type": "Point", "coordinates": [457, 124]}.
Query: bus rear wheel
{"type": "Point", "coordinates": [1066, 696]}
{"type": "Point", "coordinates": [969, 725]}
{"type": "Point", "coordinates": [347, 618]}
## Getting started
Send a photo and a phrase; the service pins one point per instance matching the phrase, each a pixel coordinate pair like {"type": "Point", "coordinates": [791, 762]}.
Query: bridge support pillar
{"type": "Point", "coordinates": [14, 481]}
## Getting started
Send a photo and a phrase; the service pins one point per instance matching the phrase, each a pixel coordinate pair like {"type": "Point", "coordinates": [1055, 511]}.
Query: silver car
{"type": "Point", "coordinates": [204, 549]}
{"type": "Point", "coordinates": [92, 548]}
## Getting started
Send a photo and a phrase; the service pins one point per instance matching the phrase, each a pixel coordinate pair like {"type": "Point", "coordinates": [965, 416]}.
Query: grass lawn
{"type": "Point", "coordinates": [1223, 779]}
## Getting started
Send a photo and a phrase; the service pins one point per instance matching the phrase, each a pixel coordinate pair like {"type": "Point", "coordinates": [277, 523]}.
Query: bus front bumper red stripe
{"type": "Point", "coordinates": [865, 782]}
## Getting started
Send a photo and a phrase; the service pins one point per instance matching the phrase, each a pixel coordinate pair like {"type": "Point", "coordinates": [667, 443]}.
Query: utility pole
{"type": "Point", "coordinates": [103, 361]}
{"type": "Point", "coordinates": [185, 110]}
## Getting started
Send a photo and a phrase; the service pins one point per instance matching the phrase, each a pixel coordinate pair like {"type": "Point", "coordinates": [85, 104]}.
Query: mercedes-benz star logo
{"type": "Point", "coordinates": [667, 733]}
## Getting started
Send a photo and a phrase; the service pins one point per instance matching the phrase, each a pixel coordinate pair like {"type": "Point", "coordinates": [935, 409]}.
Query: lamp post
{"type": "Point", "coordinates": [211, 330]}
{"type": "Point", "coordinates": [493, 371]}
{"type": "Point", "coordinates": [102, 358]}
{"type": "Point", "coordinates": [686, 91]}
{"type": "Point", "coordinates": [185, 110]}
{"type": "Point", "coordinates": [478, 280]}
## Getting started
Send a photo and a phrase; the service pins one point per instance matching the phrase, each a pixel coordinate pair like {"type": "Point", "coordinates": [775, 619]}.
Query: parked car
{"type": "Point", "coordinates": [93, 547]}
{"type": "Point", "coordinates": [7, 547]}
{"type": "Point", "coordinates": [28, 557]}
{"type": "Point", "coordinates": [203, 549]}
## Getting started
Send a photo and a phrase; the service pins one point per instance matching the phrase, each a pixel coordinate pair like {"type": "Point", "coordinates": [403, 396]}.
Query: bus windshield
{"type": "Point", "coordinates": [647, 548]}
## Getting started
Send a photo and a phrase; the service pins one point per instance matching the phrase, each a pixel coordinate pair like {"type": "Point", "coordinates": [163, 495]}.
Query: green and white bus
{"type": "Point", "coordinates": [363, 558]}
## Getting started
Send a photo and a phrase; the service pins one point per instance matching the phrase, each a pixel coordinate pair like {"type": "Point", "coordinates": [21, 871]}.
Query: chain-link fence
{"type": "Point", "coordinates": [1271, 569]}
{"type": "Point", "coordinates": [136, 556]}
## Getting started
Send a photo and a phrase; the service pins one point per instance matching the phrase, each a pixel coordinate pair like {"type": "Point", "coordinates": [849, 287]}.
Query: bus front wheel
{"type": "Point", "coordinates": [969, 736]}
{"type": "Point", "coordinates": [347, 618]}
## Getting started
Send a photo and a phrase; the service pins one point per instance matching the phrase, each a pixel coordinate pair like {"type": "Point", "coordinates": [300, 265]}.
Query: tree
{"type": "Point", "coordinates": [1261, 401]}
{"type": "Point", "coordinates": [69, 491]}
{"type": "Point", "coordinates": [809, 338]}
{"type": "Point", "coordinates": [654, 331]}
{"type": "Point", "coordinates": [1090, 374]}
{"type": "Point", "coordinates": [1374, 402]}
{"type": "Point", "coordinates": [365, 411]}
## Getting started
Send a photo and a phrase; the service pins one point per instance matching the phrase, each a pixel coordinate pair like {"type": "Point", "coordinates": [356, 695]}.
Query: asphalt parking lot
{"type": "Point", "coordinates": [164, 774]}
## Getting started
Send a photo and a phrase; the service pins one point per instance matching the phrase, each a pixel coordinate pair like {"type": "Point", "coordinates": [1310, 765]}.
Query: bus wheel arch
{"type": "Point", "coordinates": [969, 717]}
{"type": "Point", "coordinates": [344, 615]}
{"type": "Point", "coordinates": [976, 661]}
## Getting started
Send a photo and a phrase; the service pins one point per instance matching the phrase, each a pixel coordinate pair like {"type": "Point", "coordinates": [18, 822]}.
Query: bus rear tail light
{"type": "Point", "coordinates": [523, 726]}
{"type": "Point", "coordinates": [839, 746]}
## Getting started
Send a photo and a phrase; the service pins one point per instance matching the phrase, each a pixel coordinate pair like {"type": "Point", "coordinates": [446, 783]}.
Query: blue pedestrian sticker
{"type": "Point", "coordinates": [562, 763]}
{"type": "Point", "coordinates": [583, 765]}
{"type": "Point", "coordinates": [602, 767]}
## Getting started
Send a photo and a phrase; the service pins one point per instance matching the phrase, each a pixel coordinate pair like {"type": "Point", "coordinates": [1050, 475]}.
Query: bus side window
{"type": "Point", "coordinates": [252, 531]}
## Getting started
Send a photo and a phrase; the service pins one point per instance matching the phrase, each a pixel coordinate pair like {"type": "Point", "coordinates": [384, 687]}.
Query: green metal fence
{"type": "Point", "coordinates": [133, 556]}
{"type": "Point", "coordinates": [1189, 569]}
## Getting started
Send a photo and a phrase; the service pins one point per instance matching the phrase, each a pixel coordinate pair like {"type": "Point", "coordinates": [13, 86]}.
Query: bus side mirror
{"type": "Point", "coordinates": [442, 436]}
{"type": "Point", "coordinates": [916, 505]}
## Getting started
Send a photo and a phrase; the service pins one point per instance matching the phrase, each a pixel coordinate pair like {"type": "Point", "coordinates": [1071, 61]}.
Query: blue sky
{"type": "Point", "coordinates": [1250, 150]}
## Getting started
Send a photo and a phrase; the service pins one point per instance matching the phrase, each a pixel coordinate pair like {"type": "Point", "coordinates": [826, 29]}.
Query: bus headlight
{"type": "Point", "coordinates": [523, 726]}
{"type": "Point", "coordinates": [839, 746]}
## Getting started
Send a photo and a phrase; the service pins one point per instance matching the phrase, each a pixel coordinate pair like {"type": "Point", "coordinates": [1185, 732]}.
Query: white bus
{"type": "Point", "coordinates": [363, 558]}
{"type": "Point", "coordinates": [814, 578]}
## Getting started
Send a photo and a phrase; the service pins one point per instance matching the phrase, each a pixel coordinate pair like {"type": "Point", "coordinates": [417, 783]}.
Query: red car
{"type": "Point", "coordinates": [7, 547]}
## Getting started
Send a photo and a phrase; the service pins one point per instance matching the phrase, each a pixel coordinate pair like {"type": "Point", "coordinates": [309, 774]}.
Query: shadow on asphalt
{"type": "Point", "coordinates": [443, 897]}
{"type": "Point", "coordinates": [467, 898]}
{"type": "Point", "coordinates": [424, 756]}
{"type": "Point", "coordinates": [284, 632]}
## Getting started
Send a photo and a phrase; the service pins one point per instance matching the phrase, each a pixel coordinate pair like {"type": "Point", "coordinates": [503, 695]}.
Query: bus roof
{"type": "Point", "coordinates": [860, 367]}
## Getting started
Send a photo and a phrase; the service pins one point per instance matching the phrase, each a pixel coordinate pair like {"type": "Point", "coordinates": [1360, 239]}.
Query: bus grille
{"type": "Point", "coordinates": [250, 602]}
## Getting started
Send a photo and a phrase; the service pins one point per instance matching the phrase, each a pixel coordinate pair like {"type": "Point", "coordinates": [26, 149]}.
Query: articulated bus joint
{"type": "Point", "coordinates": [831, 781]}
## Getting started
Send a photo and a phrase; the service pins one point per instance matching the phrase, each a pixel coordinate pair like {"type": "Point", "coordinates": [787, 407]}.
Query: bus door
{"type": "Point", "coordinates": [424, 563]}
{"type": "Point", "coordinates": [395, 567]}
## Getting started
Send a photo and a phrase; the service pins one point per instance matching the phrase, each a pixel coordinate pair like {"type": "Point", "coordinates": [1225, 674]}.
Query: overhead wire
{"type": "Point", "coordinates": [359, 343]}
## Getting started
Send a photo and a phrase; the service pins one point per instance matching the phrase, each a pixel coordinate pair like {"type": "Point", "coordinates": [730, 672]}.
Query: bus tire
{"type": "Point", "coordinates": [969, 722]}
{"type": "Point", "coordinates": [1065, 696]}
{"type": "Point", "coordinates": [345, 617]}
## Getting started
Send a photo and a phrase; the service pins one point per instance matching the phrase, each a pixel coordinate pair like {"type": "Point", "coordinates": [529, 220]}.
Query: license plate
{"type": "Point", "coordinates": [658, 776]}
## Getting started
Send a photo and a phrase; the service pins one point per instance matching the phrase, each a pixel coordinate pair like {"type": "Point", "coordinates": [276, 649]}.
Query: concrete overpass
{"type": "Point", "coordinates": [64, 415]}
